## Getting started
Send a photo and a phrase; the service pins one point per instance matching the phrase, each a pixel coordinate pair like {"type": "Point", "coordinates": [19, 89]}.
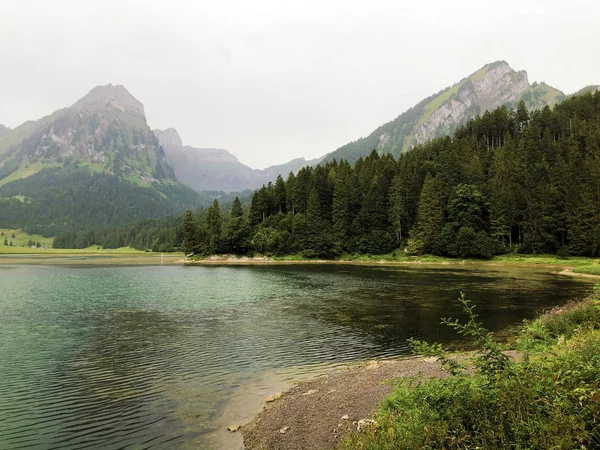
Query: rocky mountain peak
{"type": "Point", "coordinates": [4, 131]}
{"type": "Point", "coordinates": [494, 85]}
{"type": "Point", "coordinates": [109, 96]}
{"type": "Point", "coordinates": [498, 85]}
{"type": "Point", "coordinates": [169, 139]}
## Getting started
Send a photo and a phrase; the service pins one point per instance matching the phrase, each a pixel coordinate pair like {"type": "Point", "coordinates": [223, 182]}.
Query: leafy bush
{"type": "Point", "coordinates": [542, 402]}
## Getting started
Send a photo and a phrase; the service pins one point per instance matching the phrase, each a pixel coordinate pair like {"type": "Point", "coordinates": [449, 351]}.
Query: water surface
{"type": "Point", "coordinates": [167, 356]}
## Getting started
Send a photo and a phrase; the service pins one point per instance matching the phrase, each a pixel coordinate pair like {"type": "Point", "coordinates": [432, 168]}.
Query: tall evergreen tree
{"type": "Point", "coordinates": [190, 233]}
{"type": "Point", "coordinates": [213, 226]}
{"type": "Point", "coordinates": [398, 207]}
{"type": "Point", "coordinates": [429, 219]}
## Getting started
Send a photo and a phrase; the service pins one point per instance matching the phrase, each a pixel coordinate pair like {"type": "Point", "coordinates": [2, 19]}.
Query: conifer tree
{"type": "Point", "coordinates": [280, 195]}
{"type": "Point", "coordinates": [214, 225]}
{"type": "Point", "coordinates": [397, 206]}
{"type": "Point", "coordinates": [190, 234]}
{"type": "Point", "coordinates": [429, 219]}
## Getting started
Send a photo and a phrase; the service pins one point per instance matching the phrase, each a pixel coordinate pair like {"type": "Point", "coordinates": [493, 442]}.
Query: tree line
{"type": "Point", "coordinates": [509, 180]}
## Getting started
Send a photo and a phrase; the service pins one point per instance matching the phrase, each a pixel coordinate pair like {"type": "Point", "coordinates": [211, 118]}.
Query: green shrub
{"type": "Point", "coordinates": [549, 400]}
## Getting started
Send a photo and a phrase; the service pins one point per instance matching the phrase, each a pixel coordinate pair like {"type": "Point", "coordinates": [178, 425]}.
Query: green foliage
{"type": "Point", "coordinates": [73, 199]}
{"type": "Point", "coordinates": [549, 400]}
{"type": "Point", "coordinates": [508, 181]}
{"type": "Point", "coordinates": [429, 219]}
{"type": "Point", "coordinates": [588, 270]}
{"type": "Point", "coordinates": [190, 234]}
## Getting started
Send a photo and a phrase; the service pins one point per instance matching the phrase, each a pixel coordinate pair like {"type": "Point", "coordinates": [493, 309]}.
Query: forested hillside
{"type": "Point", "coordinates": [93, 164]}
{"type": "Point", "coordinates": [73, 198]}
{"type": "Point", "coordinates": [508, 180]}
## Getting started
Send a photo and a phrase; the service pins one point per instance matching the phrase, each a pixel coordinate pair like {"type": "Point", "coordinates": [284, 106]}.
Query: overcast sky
{"type": "Point", "coordinates": [271, 80]}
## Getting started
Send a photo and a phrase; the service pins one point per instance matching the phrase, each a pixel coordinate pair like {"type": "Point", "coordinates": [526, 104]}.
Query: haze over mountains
{"type": "Point", "coordinates": [213, 169]}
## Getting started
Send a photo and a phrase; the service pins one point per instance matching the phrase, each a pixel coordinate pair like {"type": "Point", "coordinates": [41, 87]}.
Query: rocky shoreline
{"type": "Point", "coordinates": [318, 413]}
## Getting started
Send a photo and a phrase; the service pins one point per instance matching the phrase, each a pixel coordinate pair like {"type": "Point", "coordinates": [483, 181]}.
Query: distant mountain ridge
{"type": "Point", "coordinates": [212, 169]}
{"type": "Point", "coordinates": [492, 86]}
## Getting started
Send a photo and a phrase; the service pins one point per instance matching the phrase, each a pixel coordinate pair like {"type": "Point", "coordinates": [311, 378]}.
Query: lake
{"type": "Point", "coordinates": [113, 356]}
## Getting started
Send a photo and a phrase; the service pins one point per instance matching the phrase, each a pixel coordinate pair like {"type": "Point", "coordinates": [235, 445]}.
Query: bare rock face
{"type": "Point", "coordinates": [495, 85]}
{"type": "Point", "coordinates": [169, 139]}
{"type": "Point", "coordinates": [107, 127]}
{"type": "Point", "coordinates": [215, 169]}
{"type": "Point", "coordinates": [103, 98]}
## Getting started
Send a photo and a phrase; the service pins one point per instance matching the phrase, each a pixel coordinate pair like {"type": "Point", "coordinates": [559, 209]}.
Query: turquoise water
{"type": "Point", "coordinates": [164, 356]}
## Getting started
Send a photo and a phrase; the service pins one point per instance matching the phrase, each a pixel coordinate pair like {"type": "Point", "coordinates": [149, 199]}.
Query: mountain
{"type": "Point", "coordinates": [94, 163]}
{"type": "Point", "coordinates": [592, 88]}
{"type": "Point", "coordinates": [106, 130]}
{"type": "Point", "coordinates": [4, 131]}
{"type": "Point", "coordinates": [492, 86]}
{"type": "Point", "coordinates": [212, 169]}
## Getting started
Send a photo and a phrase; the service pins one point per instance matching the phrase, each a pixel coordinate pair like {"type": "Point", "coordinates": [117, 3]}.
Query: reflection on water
{"type": "Point", "coordinates": [164, 356]}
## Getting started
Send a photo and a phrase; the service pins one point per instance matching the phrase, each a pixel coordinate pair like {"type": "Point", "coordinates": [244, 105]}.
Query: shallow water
{"type": "Point", "coordinates": [167, 356]}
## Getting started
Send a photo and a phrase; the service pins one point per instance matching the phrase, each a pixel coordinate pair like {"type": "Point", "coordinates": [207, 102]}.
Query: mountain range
{"type": "Point", "coordinates": [104, 140]}
{"type": "Point", "coordinates": [213, 169]}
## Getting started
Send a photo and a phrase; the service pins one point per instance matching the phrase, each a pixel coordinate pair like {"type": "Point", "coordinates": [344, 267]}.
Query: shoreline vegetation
{"type": "Point", "coordinates": [540, 390]}
{"type": "Point", "coordinates": [572, 266]}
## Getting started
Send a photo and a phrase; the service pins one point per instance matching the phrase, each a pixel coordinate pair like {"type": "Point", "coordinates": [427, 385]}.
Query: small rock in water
{"type": "Point", "coordinates": [345, 417]}
{"type": "Point", "coordinates": [272, 398]}
{"type": "Point", "coordinates": [283, 430]}
{"type": "Point", "coordinates": [234, 428]}
{"type": "Point", "coordinates": [364, 423]}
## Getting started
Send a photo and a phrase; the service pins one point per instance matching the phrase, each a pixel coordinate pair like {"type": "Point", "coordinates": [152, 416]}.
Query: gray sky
{"type": "Point", "coordinates": [271, 80]}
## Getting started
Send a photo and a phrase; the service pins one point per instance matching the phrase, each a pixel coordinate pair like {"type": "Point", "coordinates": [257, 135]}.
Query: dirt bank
{"type": "Point", "coordinates": [317, 413]}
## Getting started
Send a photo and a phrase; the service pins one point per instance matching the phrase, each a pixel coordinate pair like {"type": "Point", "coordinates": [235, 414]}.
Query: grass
{"type": "Point", "coordinates": [435, 104]}
{"type": "Point", "coordinates": [21, 239]}
{"type": "Point", "coordinates": [544, 260]}
{"type": "Point", "coordinates": [402, 257]}
{"type": "Point", "coordinates": [26, 170]}
{"type": "Point", "coordinates": [547, 399]}
{"type": "Point", "coordinates": [588, 270]}
{"type": "Point", "coordinates": [95, 250]}
{"type": "Point", "coordinates": [21, 198]}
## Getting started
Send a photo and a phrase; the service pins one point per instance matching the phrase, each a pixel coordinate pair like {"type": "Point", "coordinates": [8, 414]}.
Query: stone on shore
{"type": "Point", "coordinates": [272, 398]}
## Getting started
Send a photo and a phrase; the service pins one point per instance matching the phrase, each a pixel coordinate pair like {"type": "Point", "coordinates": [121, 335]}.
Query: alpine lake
{"type": "Point", "coordinates": [110, 353]}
